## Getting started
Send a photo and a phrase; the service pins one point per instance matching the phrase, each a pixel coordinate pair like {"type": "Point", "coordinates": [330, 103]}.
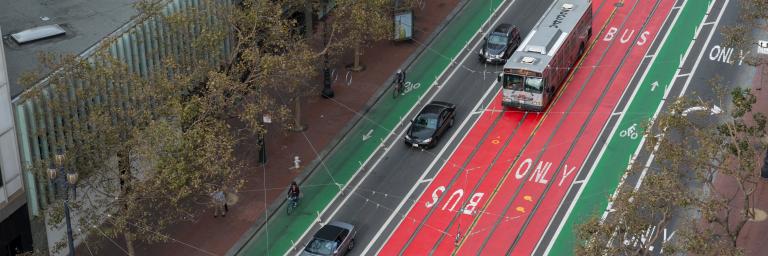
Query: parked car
{"type": "Point", "coordinates": [500, 44]}
{"type": "Point", "coordinates": [335, 238]}
{"type": "Point", "coordinates": [430, 124]}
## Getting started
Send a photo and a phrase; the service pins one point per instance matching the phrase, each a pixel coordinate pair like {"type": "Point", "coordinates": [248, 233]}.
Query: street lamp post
{"type": "Point", "coordinates": [71, 181]}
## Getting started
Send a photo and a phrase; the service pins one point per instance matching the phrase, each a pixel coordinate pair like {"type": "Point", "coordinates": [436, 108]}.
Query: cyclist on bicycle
{"type": "Point", "coordinates": [400, 78]}
{"type": "Point", "coordinates": [293, 192]}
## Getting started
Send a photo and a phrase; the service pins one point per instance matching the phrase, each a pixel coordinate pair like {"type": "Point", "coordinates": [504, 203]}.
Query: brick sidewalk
{"type": "Point", "coordinates": [325, 119]}
{"type": "Point", "coordinates": [753, 234]}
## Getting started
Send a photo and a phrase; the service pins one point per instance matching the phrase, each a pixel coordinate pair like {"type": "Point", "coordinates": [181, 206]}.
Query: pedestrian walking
{"type": "Point", "coordinates": [219, 203]}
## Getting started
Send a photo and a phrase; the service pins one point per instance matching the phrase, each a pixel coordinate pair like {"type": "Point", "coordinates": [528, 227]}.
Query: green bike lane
{"type": "Point", "coordinates": [331, 176]}
{"type": "Point", "coordinates": [611, 165]}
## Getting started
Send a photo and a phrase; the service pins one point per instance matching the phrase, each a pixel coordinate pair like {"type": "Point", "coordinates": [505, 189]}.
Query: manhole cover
{"type": "Point", "coordinates": [760, 215]}
{"type": "Point", "coordinates": [619, 4]}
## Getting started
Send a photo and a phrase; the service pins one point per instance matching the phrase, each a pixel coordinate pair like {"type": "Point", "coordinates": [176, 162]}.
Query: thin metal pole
{"type": "Point", "coordinates": [70, 240]}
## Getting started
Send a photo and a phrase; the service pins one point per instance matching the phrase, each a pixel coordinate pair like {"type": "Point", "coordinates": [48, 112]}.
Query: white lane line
{"type": "Point", "coordinates": [666, 93]}
{"type": "Point", "coordinates": [439, 156]}
{"type": "Point", "coordinates": [649, 56]}
{"type": "Point", "coordinates": [559, 229]}
{"type": "Point", "coordinates": [430, 167]}
{"type": "Point", "coordinates": [578, 182]}
{"type": "Point", "coordinates": [685, 87]}
{"type": "Point", "coordinates": [386, 149]}
{"type": "Point", "coordinates": [682, 75]}
{"type": "Point", "coordinates": [425, 180]}
{"type": "Point", "coordinates": [426, 171]}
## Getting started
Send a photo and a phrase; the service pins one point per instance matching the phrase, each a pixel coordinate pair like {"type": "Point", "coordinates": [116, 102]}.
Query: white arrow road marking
{"type": "Point", "coordinates": [367, 135]}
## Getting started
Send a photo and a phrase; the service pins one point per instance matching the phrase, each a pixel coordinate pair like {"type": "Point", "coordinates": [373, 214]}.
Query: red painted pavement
{"type": "Point", "coordinates": [436, 225]}
{"type": "Point", "coordinates": [451, 204]}
{"type": "Point", "coordinates": [555, 195]}
{"type": "Point", "coordinates": [554, 154]}
{"type": "Point", "coordinates": [413, 219]}
{"type": "Point", "coordinates": [495, 211]}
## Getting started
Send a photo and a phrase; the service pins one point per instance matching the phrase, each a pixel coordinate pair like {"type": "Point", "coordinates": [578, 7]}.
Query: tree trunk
{"type": "Point", "coordinates": [356, 66]}
{"type": "Point", "coordinates": [124, 165]}
{"type": "Point", "coordinates": [129, 244]}
{"type": "Point", "coordinates": [297, 125]}
{"type": "Point", "coordinates": [308, 18]}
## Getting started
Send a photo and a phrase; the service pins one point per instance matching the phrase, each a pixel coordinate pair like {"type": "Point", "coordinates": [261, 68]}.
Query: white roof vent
{"type": "Point", "coordinates": [567, 6]}
{"type": "Point", "coordinates": [37, 33]}
{"type": "Point", "coordinates": [528, 60]}
{"type": "Point", "coordinates": [536, 49]}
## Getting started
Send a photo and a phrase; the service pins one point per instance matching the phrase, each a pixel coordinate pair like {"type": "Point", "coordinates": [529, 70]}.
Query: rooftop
{"type": "Point", "coordinates": [86, 22]}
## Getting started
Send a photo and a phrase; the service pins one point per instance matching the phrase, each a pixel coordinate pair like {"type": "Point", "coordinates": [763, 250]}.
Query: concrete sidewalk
{"type": "Point", "coordinates": [265, 184]}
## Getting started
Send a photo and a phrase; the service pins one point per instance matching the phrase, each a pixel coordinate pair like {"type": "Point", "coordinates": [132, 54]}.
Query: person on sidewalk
{"type": "Point", "coordinates": [294, 192]}
{"type": "Point", "coordinates": [219, 203]}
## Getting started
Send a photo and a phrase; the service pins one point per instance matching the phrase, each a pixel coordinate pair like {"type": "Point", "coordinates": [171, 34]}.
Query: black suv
{"type": "Point", "coordinates": [499, 44]}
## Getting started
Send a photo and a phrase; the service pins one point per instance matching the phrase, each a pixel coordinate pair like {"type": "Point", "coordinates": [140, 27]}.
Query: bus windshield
{"type": "Point", "coordinates": [523, 83]}
{"type": "Point", "coordinates": [533, 84]}
{"type": "Point", "coordinates": [513, 82]}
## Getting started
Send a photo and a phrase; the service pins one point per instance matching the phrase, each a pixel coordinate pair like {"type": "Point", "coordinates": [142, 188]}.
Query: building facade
{"type": "Point", "coordinates": [16, 234]}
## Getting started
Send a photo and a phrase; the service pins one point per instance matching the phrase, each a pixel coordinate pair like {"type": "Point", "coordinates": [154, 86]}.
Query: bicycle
{"type": "Point", "coordinates": [293, 202]}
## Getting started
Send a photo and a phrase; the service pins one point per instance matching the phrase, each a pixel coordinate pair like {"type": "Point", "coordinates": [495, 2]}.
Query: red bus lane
{"type": "Point", "coordinates": [441, 184]}
{"type": "Point", "coordinates": [539, 164]}
{"type": "Point", "coordinates": [461, 224]}
{"type": "Point", "coordinates": [464, 189]}
{"type": "Point", "coordinates": [554, 196]}
{"type": "Point", "coordinates": [554, 152]}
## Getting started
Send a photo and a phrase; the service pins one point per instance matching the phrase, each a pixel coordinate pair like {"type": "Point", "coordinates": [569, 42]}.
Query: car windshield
{"type": "Point", "coordinates": [322, 247]}
{"type": "Point", "coordinates": [426, 120]}
{"type": "Point", "coordinates": [497, 39]}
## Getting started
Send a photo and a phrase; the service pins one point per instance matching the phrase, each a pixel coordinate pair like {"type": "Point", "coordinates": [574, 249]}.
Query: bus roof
{"type": "Point", "coordinates": [546, 37]}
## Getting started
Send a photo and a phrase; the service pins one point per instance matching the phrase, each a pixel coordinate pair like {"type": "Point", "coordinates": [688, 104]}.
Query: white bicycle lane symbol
{"type": "Point", "coordinates": [630, 132]}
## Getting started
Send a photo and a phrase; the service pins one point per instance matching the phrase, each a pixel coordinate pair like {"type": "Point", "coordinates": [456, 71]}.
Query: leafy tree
{"type": "Point", "coordinates": [150, 146]}
{"type": "Point", "coordinates": [355, 23]}
{"type": "Point", "coordinates": [691, 150]}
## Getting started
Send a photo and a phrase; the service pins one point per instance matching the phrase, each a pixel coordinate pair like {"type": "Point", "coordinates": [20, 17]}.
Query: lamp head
{"type": "Point", "coordinates": [52, 173]}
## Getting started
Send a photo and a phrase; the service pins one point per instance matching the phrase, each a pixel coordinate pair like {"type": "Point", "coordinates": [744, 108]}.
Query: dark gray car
{"type": "Point", "coordinates": [335, 238]}
{"type": "Point", "coordinates": [499, 44]}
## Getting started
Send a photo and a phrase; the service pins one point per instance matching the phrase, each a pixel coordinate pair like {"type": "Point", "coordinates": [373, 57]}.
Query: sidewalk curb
{"type": "Point", "coordinates": [336, 141]}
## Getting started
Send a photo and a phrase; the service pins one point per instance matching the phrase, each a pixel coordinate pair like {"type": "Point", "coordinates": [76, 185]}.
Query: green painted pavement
{"type": "Point", "coordinates": [278, 236]}
{"type": "Point", "coordinates": [613, 164]}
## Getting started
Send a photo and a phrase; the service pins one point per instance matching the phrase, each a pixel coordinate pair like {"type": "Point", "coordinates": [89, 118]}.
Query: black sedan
{"type": "Point", "coordinates": [430, 124]}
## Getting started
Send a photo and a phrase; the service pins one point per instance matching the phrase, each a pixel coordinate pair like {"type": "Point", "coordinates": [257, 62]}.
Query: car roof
{"type": "Point", "coordinates": [329, 232]}
{"type": "Point", "coordinates": [503, 28]}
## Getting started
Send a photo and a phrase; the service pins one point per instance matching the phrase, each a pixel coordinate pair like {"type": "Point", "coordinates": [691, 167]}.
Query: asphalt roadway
{"type": "Point", "coordinates": [469, 86]}
{"type": "Point", "coordinates": [381, 196]}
